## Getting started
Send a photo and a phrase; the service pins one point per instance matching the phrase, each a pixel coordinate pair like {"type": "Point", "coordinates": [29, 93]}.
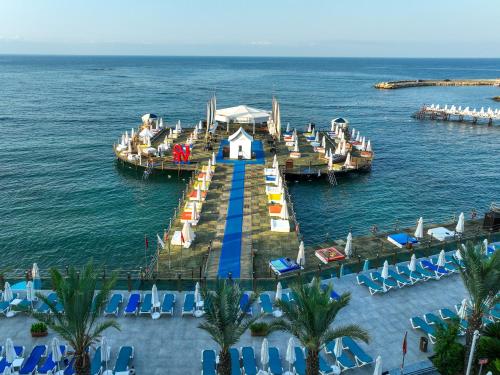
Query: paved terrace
{"type": "Point", "coordinates": [172, 345]}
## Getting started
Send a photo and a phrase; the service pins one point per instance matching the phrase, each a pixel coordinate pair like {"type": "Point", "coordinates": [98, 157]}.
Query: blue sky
{"type": "Point", "coordinates": [391, 28]}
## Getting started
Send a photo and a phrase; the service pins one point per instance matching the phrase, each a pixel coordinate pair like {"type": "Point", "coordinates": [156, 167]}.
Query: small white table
{"type": "Point", "coordinates": [155, 315]}
{"type": "Point", "coordinates": [16, 301]}
{"type": "Point", "coordinates": [277, 313]}
{"type": "Point", "coordinates": [121, 373]}
{"type": "Point", "coordinates": [336, 369]}
{"type": "Point", "coordinates": [110, 372]}
{"type": "Point", "coordinates": [18, 362]}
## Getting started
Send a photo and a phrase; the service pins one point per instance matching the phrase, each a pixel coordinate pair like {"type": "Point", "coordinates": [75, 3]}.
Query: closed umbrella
{"type": "Point", "coordinates": [413, 263]}
{"type": "Point", "coordinates": [347, 162]}
{"type": "Point", "coordinates": [296, 148]}
{"type": "Point", "coordinates": [187, 233]}
{"type": "Point", "coordinates": [462, 312]}
{"type": "Point", "coordinates": [197, 294]}
{"type": "Point", "coordinates": [317, 138]}
{"type": "Point", "coordinates": [290, 353]}
{"type": "Point", "coordinates": [338, 149]}
{"type": "Point", "coordinates": [363, 144]}
{"type": "Point", "coordinates": [385, 270]}
{"type": "Point", "coordinates": [458, 255]}
{"type": "Point", "coordinates": [288, 127]}
{"type": "Point", "coordinates": [155, 299]}
{"type": "Point", "coordinates": [378, 366]}
{"type": "Point", "coordinates": [55, 348]}
{"type": "Point", "coordinates": [485, 245]}
{"type": "Point", "coordinates": [323, 142]}
{"type": "Point", "coordinates": [279, 292]}
{"type": "Point", "coordinates": [419, 232]}
{"type": "Point", "coordinates": [35, 275]}
{"type": "Point", "coordinates": [275, 161]}
{"type": "Point", "coordinates": [338, 347]}
{"type": "Point", "coordinates": [194, 214]}
{"type": "Point", "coordinates": [7, 293]}
{"type": "Point", "coordinates": [341, 271]}
{"type": "Point", "coordinates": [369, 147]}
{"type": "Point", "coordinates": [7, 371]}
{"type": "Point", "coordinates": [10, 352]}
{"type": "Point", "coordinates": [264, 353]}
{"type": "Point", "coordinates": [213, 158]}
{"type": "Point", "coordinates": [343, 150]}
{"type": "Point", "coordinates": [30, 291]}
{"type": "Point", "coordinates": [204, 182]}
{"type": "Point", "coordinates": [461, 224]}
{"type": "Point", "coordinates": [284, 212]}
{"type": "Point", "coordinates": [105, 352]}
{"type": "Point", "coordinates": [366, 265]}
{"type": "Point", "coordinates": [301, 256]}
{"type": "Point", "coordinates": [198, 193]}
{"type": "Point", "coordinates": [348, 246]}
{"type": "Point", "coordinates": [441, 259]}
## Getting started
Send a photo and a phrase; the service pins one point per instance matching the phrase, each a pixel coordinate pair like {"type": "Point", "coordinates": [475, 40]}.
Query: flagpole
{"type": "Point", "coordinates": [404, 352]}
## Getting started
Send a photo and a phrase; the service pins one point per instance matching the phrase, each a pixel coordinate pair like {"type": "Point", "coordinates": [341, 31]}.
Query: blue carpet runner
{"type": "Point", "coordinates": [229, 261]}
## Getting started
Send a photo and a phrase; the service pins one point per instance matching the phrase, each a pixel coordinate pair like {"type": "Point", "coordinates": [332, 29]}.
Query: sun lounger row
{"type": "Point", "coordinates": [353, 355]}
{"type": "Point", "coordinates": [267, 306]}
{"type": "Point", "coordinates": [138, 304]}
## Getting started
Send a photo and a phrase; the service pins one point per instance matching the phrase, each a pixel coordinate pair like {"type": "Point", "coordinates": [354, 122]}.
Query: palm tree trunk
{"type": "Point", "coordinates": [474, 323]}
{"type": "Point", "coordinates": [82, 363]}
{"type": "Point", "coordinates": [312, 362]}
{"type": "Point", "coordinates": [224, 367]}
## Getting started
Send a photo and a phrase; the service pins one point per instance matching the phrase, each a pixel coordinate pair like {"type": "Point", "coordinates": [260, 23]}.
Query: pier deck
{"type": "Point", "coordinates": [391, 85]}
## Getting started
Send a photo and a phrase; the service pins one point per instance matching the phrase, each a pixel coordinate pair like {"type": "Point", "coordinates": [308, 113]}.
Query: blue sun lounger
{"type": "Point", "coordinates": [266, 305]}
{"type": "Point", "coordinates": [389, 283]}
{"type": "Point", "coordinates": [438, 271]}
{"type": "Point", "coordinates": [372, 286]}
{"type": "Point", "coordinates": [35, 356]}
{"type": "Point", "coordinates": [425, 272]}
{"type": "Point", "coordinates": [44, 308]}
{"type": "Point", "coordinates": [133, 304]}
{"type": "Point", "coordinates": [432, 318]}
{"type": "Point", "coordinates": [300, 361]}
{"type": "Point", "coordinates": [125, 355]}
{"type": "Point", "coordinates": [418, 323]}
{"type": "Point", "coordinates": [343, 361]}
{"type": "Point", "coordinates": [400, 279]}
{"type": "Point", "coordinates": [275, 367]}
{"type": "Point", "coordinates": [447, 314]}
{"type": "Point", "coordinates": [96, 364]}
{"type": "Point", "coordinates": [244, 304]}
{"type": "Point", "coordinates": [113, 305]}
{"type": "Point", "coordinates": [70, 369]}
{"type": "Point", "coordinates": [234, 354]}
{"type": "Point", "coordinates": [168, 303]}
{"type": "Point", "coordinates": [361, 357]}
{"type": "Point", "coordinates": [3, 361]}
{"type": "Point", "coordinates": [412, 276]}
{"type": "Point", "coordinates": [450, 267]}
{"type": "Point", "coordinates": [188, 305]}
{"type": "Point", "coordinates": [49, 364]}
{"type": "Point", "coordinates": [324, 367]}
{"type": "Point", "coordinates": [146, 305]}
{"type": "Point", "coordinates": [249, 362]}
{"type": "Point", "coordinates": [208, 365]}
{"type": "Point", "coordinates": [454, 261]}
{"type": "Point", "coordinates": [334, 295]}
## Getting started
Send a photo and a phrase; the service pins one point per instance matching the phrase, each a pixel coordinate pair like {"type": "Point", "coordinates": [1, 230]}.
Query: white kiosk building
{"type": "Point", "coordinates": [240, 145]}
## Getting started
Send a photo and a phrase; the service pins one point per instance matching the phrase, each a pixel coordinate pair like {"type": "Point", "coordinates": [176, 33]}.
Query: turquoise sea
{"type": "Point", "coordinates": [63, 200]}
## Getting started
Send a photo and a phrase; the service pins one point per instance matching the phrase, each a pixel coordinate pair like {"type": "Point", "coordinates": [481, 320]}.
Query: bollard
{"type": "Point", "coordinates": [129, 282]}
{"type": "Point", "coordinates": [67, 270]}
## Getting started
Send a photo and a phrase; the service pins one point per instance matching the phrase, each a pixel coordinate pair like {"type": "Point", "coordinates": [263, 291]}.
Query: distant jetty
{"type": "Point", "coordinates": [496, 98]}
{"type": "Point", "coordinates": [436, 82]}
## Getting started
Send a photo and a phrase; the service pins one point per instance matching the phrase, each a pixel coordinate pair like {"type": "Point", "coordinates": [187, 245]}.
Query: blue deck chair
{"type": "Point", "coordinates": [3, 361]}
{"type": "Point", "coordinates": [300, 361]}
{"type": "Point", "coordinates": [275, 367]}
{"type": "Point", "coordinates": [167, 304]}
{"type": "Point", "coordinates": [266, 305]}
{"type": "Point", "coordinates": [438, 271]}
{"type": "Point", "coordinates": [49, 364]}
{"type": "Point", "coordinates": [208, 365]}
{"type": "Point", "coordinates": [96, 364]}
{"type": "Point", "coordinates": [133, 304]}
{"type": "Point", "coordinates": [334, 295]}
{"type": "Point", "coordinates": [389, 283]}
{"type": "Point", "coordinates": [146, 305]}
{"type": "Point", "coordinates": [450, 267]}
{"type": "Point", "coordinates": [418, 323]}
{"type": "Point", "coordinates": [44, 308]}
{"type": "Point", "coordinates": [35, 356]}
{"type": "Point", "coordinates": [5, 305]}
{"type": "Point", "coordinates": [343, 361]}
{"type": "Point", "coordinates": [70, 368]}
{"type": "Point", "coordinates": [495, 314]}
{"type": "Point", "coordinates": [113, 305]}
{"type": "Point", "coordinates": [234, 354]}
{"type": "Point", "coordinates": [249, 362]}
{"type": "Point", "coordinates": [324, 367]}
{"type": "Point", "coordinates": [188, 305]}
{"type": "Point", "coordinates": [432, 318]}
{"type": "Point", "coordinates": [285, 298]}
{"type": "Point", "coordinates": [244, 304]}
{"type": "Point", "coordinates": [447, 314]}
{"type": "Point", "coordinates": [372, 286]}
{"type": "Point", "coordinates": [361, 357]}
{"type": "Point", "coordinates": [453, 260]}
{"type": "Point", "coordinates": [400, 279]}
{"type": "Point", "coordinates": [425, 272]}
{"type": "Point", "coordinates": [412, 276]}
{"type": "Point", "coordinates": [125, 355]}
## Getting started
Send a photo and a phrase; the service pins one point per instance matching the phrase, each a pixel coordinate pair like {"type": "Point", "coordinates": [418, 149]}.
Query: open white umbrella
{"type": "Point", "coordinates": [378, 366]}
{"type": "Point", "coordinates": [413, 263]}
{"type": "Point", "coordinates": [290, 353]}
{"type": "Point", "coordinates": [337, 351]}
{"type": "Point", "coordinates": [301, 256]}
{"type": "Point", "coordinates": [55, 348]}
{"type": "Point", "coordinates": [419, 232]}
{"type": "Point", "coordinates": [348, 246]}
{"type": "Point", "coordinates": [264, 353]}
{"type": "Point", "coordinates": [462, 312]}
{"type": "Point", "coordinates": [10, 352]}
{"type": "Point", "coordinates": [105, 352]}
{"type": "Point", "coordinates": [385, 270]}
{"type": "Point", "coordinates": [461, 224]}
{"type": "Point", "coordinates": [279, 292]}
{"type": "Point", "coordinates": [155, 299]}
{"type": "Point", "coordinates": [7, 293]}
{"type": "Point", "coordinates": [284, 212]}
{"type": "Point", "coordinates": [30, 291]}
{"type": "Point", "coordinates": [441, 259]}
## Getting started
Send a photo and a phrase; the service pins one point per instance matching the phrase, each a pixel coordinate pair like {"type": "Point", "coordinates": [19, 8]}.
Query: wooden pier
{"type": "Point", "coordinates": [391, 85]}
{"type": "Point", "coordinates": [456, 113]}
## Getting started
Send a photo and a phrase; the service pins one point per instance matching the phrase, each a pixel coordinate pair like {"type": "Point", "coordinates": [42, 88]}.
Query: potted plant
{"type": "Point", "coordinates": [259, 329]}
{"type": "Point", "coordinates": [39, 330]}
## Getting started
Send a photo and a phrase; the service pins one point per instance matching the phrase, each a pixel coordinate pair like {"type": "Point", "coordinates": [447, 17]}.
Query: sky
{"type": "Point", "coordinates": [325, 28]}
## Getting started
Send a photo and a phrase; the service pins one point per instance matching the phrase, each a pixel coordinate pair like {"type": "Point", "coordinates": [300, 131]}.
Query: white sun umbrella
{"type": "Point", "coordinates": [323, 142]}
{"type": "Point", "coordinates": [10, 352]}
{"type": "Point", "coordinates": [209, 165]}
{"type": "Point", "coordinates": [194, 215]}
{"type": "Point", "coordinates": [132, 133]}
{"type": "Point", "coordinates": [170, 132]}
{"type": "Point", "coordinates": [204, 182]}
{"type": "Point", "coordinates": [317, 137]}
{"type": "Point", "coordinates": [337, 351]}
{"type": "Point", "coordinates": [129, 147]}
{"type": "Point", "coordinates": [343, 150]}
{"type": "Point", "coordinates": [358, 137]}
{"type": "Point", "coordinates": [330, 161]}
{"type": "Point", "coordinates": [419, 232]}
{"type": "Point", "coordinates": [197, 294]}
{"type": "Point", "coordinates": [313, 133]}
{"type": "Point", "coordinates": [290, 353]}
{"type": "Point", "coordinates": [55, 348]}
{"type": "Point", "coordinates": [264, 353]}
{"type": "Point", "coordinates": [187, 232]}
{"type": "Point", "coordinates": [155, 298]}
{"type": "Point", "coordinates": [288, 127]}
{"type": "Point", "coordinates": [105, 352]}
{"type": "Point", "coordinates": [296, 148]}
{"type": "Point", "coordinates": [369, 146]}
{"type": "Point", "coordinates": [458, 255]}
{"type": "Point", "coordinates": [213, 158]}
{"type": "Point", "coordinates": [461, 224]}
{"type": "Point", "coordinates": [30, 291]}
{"type": "Point", "coordinates": [378, 366]}
{"type": "Point", "coordinates": [347, 162]}
{"type": "Point", "coordinates": [353, 132]}
{"type": "Point", "coordinates": [7, 371]}
{"type": "Point", "coordinates": [301, 256]}
{"type": "Point", "coordinates": [462, 312]}
{"type": "Point", "coordinates": [348, 246]}
{"type": "Point", "coordinates": [198, 193]}
{"type": "Point", "coordinates": [485, 245]}
{"type": "Point", "coordinates": [284, 212]}
{"type": "Point", "coordinates": [385, 270]}
{"type": "Point", "coordinates": [7, 293]}
{"type": "Point", "coordinates": [148, 141]}
{"type": "Point", "coordinates": [338, 150]}
{"type": "Point", "coordinates": [275, 161]}
{"type": "Point", "coordinates": [413, 263]}
{"type": "Point", "coordinates": [279, 292]}
{"type": "Point", "coordinates": [441, 259]}
{"type": "Point", "coordinates": [363, 144]}
{"type": "Point", "coordinates": [35, 275]}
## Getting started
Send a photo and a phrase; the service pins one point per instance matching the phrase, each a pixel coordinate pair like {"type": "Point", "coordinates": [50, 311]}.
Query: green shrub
{"type": "Point", "coordinates": [449, 354]}
{"type": "Point", "coordinates": [489, 347]}
{"type": "Point", "coordinates": [260, 328]}
{"type": "Point", "coordinates": [38, 328]}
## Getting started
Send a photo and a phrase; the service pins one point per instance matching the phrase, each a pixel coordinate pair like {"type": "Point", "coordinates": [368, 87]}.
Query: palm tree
{"type": "Point", "coordinates": [224, 321]}
{"type": "Point", "coordinates": [309, 319]}
{"type": "Point", "coordinates": [79, 323]}
{"type": "Point", "coordinates": [481, 277]}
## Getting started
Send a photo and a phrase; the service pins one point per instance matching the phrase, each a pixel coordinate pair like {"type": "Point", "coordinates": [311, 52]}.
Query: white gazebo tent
{"type": "Point", "coordinates": [242, 114]}
{"type": "Point", "coordinates": [240, 145]}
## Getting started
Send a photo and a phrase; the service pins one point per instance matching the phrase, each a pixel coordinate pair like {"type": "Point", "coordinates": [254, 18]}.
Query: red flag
{"type": "Point", "coordinates": [165, 236]}
{"type": "Point", "coordinates": [182, 238]}
{"type": "Point", "coordinates": [405, 344]}
{"type": "Point", "coordinates": [146, 242]}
